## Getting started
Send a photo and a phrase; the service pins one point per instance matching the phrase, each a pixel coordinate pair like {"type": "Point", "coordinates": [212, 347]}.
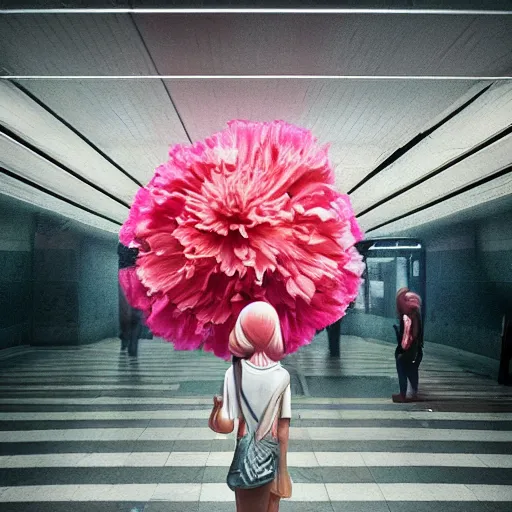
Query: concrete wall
{"type": "Point", "coordinates": [357, 323]}
{"type": "Point", "coordinates": [494, 242]}
{"type": "Point", "coordinates": [463, 308]}
{"type": "Point", "coordinates": [98, 290]}
{"type": "Point", "coordinates": [468, 287]}
{"type": "Point", "coordinates": [58, 279]}
{"type": "Point", "coordinates": [16, 235]}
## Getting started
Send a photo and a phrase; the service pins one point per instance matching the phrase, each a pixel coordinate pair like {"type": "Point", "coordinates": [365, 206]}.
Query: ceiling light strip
{"type": "Point", "coordinates": [34, 149]}
{"type": "Point", "coordinates": [396, 248]}
{"type": "Point", "coordinates": [248, 10]}
{"type": "Point", "coordinates": [479, 147]}
{"type": "Point", "coordinates": [496, 175]}
{"type": "Point", "coordinates": [56, 195]}
{"type": "Point", "coordinates": [400, 152]}
{"type": "Point", "coordinates": [254, 77]}
{"type": "Point", "coordinates": [34, 98]}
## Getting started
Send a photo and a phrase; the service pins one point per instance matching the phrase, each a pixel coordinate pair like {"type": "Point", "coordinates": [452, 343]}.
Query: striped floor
{"type": "Point", "coordinates": [91, 429]}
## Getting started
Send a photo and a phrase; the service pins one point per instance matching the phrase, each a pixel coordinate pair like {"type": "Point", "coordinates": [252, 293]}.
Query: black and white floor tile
{"type": "Point", "coordinates": [91, 429]}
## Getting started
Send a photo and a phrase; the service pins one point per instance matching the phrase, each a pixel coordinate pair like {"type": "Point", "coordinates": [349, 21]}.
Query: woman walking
{"type": "Point", "coordinates": [409, 352]}
{"type": "Point", "coordinates": [257, 393]}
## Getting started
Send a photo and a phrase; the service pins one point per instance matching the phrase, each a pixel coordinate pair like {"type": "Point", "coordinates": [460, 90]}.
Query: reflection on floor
{"type": "Point", "coordinates": [368, 370]}
{"type": "Point", "coordinates": [91, 429]}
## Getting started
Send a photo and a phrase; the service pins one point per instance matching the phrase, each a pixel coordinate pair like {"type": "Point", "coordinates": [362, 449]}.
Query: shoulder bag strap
{"type": "Point", "coordinates": [237, 372]}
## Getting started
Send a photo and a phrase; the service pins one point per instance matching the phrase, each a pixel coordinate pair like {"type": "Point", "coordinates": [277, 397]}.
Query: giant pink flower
{"type": "Point", "coordinates": [249, 214]}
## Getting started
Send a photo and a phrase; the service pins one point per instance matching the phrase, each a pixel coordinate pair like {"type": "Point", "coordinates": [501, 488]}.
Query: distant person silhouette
{"type": "Point", "coordinates": [130, 319]}
{"type": "Point", "coordinates": [506, 351]}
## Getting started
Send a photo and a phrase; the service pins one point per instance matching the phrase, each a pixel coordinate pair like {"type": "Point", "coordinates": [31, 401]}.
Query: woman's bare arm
{"type": "Point", "coordinates": [282, 484]}
{"type": "Point", "coordinates": [283, 435]}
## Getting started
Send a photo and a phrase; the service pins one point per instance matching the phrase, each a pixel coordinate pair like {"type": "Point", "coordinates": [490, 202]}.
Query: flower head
{"type": "Point", "coordinates": [249, 214]}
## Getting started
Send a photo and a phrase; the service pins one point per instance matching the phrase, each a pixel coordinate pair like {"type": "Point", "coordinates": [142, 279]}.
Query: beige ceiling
{"type": "Point", "coordinates": [91, 142]}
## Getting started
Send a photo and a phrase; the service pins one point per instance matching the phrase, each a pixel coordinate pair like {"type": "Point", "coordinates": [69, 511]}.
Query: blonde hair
{"type": "Point", "coordinates": [257, 330]}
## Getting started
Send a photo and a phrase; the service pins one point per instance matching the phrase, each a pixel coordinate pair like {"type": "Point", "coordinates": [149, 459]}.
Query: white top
{"type": "Point", "coordinates": [259, 384]}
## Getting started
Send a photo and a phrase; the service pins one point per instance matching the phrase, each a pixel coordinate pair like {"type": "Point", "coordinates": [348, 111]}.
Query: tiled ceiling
{"type": "Point", "coordinates": [327, 44]}
{"type": "Point", "coordinates": [110, 133]}
{"type": "Point", "coordinates": [364, 121]}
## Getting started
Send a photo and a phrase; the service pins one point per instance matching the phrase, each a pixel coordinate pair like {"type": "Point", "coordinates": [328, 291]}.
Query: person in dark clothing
{"type": "Point", "coordinates": [333, 335]}
{"type": "Point", "coordinates": [130, 318]}
{"type": "Point", "coordinates": [504, 376]}
{"type": "Point", "coordinates": [409, 350]}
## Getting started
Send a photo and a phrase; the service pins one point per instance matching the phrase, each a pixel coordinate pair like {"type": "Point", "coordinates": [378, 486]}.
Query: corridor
{"type": "Point", "coordinates": [90, 429]}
